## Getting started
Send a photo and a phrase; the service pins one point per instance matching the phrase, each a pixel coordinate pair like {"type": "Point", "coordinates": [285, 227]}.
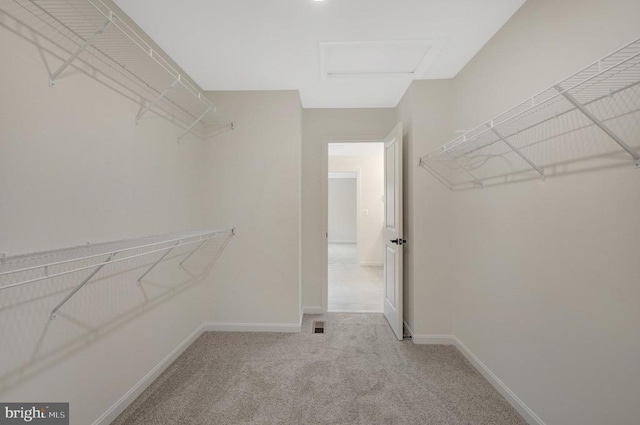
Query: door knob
{"type": "Point", "coordinates": [399, 241]}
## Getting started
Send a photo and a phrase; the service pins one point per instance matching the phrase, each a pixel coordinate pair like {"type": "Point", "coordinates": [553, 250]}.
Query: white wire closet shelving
{"type": "Point", "coordinates": [587, 114]}
{"type": "Point", "coordinates": [85, 262]}
{"type": "Point", "coordinates": [90, 32]}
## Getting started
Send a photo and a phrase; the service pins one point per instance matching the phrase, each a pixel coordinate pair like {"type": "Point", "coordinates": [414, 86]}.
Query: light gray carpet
{"type": "Point", "coordinates": [355, 374]}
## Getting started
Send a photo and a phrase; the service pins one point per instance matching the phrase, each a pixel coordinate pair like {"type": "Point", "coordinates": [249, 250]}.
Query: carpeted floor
{"type": "Point", "coordinates": [357, 373]}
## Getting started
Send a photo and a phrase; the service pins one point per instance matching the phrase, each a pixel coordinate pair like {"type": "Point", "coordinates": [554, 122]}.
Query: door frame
{"type": "Point", "coordinates": [325, 201]}
{"type": "Point", "coordinates": [356, 171]}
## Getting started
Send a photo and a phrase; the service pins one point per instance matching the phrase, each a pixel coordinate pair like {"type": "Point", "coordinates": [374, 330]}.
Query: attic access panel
{"type": "Point", "coordinates": [378, 59]}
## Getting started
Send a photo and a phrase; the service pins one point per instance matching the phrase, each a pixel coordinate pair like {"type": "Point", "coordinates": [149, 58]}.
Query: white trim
{"type": "Point", "coordinates": [500, 386]}
{"type": "Point", "coordinates": [252, 327]}
{"type": "Point", "coordinates": [429, 339]}
{"type": "Point", "coordinates": [408, 328]}
{"type": "Point", "coordinates": [316, 309]}
{"type": "Point", "coordinates": [370, 264]}
{"type": "Point", "coordinates": [358, 311]}
{"type": "Point", "coordinates": [325, 198]}
{"type": "Point", "coordinates": [433, 339]}
{"type": "Point", "coordinates": [129, 397]}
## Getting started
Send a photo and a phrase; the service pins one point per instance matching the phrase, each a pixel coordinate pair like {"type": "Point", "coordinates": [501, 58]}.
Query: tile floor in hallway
{"type": "Point", "coordinates": [353, 288]}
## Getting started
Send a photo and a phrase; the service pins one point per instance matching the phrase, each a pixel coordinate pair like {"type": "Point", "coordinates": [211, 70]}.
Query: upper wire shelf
{"type": "Point", "coordinates": [88, 260]}
{"type": "Point", "coordinates": [600, 102]}
{"type": "Point", "coordinates": [89, 31]}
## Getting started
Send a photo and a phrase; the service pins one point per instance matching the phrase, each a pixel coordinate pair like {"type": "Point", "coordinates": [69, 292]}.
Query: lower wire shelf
{"type": "Point", "coordinates": [88, 260]}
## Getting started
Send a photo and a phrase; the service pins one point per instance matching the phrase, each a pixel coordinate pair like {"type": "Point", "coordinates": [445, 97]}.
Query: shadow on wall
{"type": "Point", "coordinates": [56, 44]}
{"type": "Point", "coordinates": [555, 138]}
{"type": "Point", "coordinates": [109, 301]}
{"type": "Point", "coordinates": [611, 160]}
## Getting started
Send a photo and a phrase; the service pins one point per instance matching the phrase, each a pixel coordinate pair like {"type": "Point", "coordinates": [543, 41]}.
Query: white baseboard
{"type": "Point", "coordinates": [433, 339]}
{"type": "Point", "coordinates": [408, 328]}
{"type": "Point", "coordinates": [370, 264]}
{"type": "Point", "coordinates": [500, 386]}
{"type": "Point", "coordinates": [123, 402]}
{"type": "Point", "coordinates": [129, 397]}
{"type": "Point", "coordinates": [427, 339]}
{"type": "Point", "coordinates": [252, 327]}
{"type": "Point", "coordinates": [119, 406]}
{"type": "Point", "coordinates": [510, 396]}
{"type": "Point", "coordinates": [312, 310]}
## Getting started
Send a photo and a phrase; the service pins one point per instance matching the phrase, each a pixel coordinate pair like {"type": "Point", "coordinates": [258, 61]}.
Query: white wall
{"type": "Point", "coordinates": [426, 114]}
{"type": "Point", "coordinates": [252, 182]}
{"type": "Point", "coordinates": [371, 188]}
{"type": "Point", "coordinates": [546, 281]}
{"type": "Point", "coordinates": [75, 168]}
{"type": "Point", "coordinates": [321, 126]}
{"type": "Point", "coordinates": [343, 225]}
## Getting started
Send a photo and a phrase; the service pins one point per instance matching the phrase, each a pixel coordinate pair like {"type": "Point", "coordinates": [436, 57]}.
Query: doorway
{"type": "Point", "coordinates": [355, 219]}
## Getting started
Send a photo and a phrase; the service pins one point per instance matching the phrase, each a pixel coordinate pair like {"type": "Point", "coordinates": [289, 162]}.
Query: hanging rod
{"type": "Point", "coordinates": [108, 251]}
{"type": "Point", "coordinates": [598, 95]}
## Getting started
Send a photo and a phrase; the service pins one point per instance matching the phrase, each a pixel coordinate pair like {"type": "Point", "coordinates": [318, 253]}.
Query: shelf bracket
{"type": "Point", "coordinates": [86, 44]}
{"type": "Point", "coordinates": [603, 126]}
{"type": "Point", "coordinates": [155, 101]}
{"type": "Point", "coordinates": [194, 251]}
{"type": "Point", "coordinates": [423, 163]}
{"type": "Point", "coordinates": [516, 150]}
{"type": "Point", "coordinates": [158, 260]}
{"type": "Point", "coordinates": [77, 288]}
{"type": "Point", "coordinates": [194, 124]}
{"type": "Point", "coordinates": [475, 179]}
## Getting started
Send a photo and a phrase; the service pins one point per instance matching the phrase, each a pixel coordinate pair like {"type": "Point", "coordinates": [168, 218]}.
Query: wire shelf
{"type": "Point", "coordinates": [90, 32]}
{"type": "Point", "coordinates": [87, 260]}
{"type": "Point", "coordinates": [575, 119]}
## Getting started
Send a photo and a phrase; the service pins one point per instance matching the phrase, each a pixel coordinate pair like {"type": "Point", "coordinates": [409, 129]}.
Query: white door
{"type": "Point", "coordinates": [393, 229]}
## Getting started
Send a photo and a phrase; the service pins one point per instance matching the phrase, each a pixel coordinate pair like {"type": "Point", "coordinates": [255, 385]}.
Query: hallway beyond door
{"type": "Point", "coordinates": [353, 288]}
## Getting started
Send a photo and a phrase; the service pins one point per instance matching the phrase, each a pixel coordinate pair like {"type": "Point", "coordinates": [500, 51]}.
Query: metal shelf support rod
{"type": "Point", "coordinates": [156, 100]}
{"type": "Point", "coordinates": [194, 124]}
{"type": "Point", "coordinates": [475, 179]}
{"type": "Point", "coordinates": [600, 124]}
{"type": "Point", "coordinates": [82, 48]}
{"type": "Point", "coordinates": [77, 288]}
{"type": "Point", "coordinates": [193, 252]}
{"type": "Point", "coordinates": [158, 261]}
{"type": "Point", "coordinates": [484, 145]}
{"type": "Point", "coordinates": [423, 163]}
{"type": "Point", "coordinates": [517, 151]}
